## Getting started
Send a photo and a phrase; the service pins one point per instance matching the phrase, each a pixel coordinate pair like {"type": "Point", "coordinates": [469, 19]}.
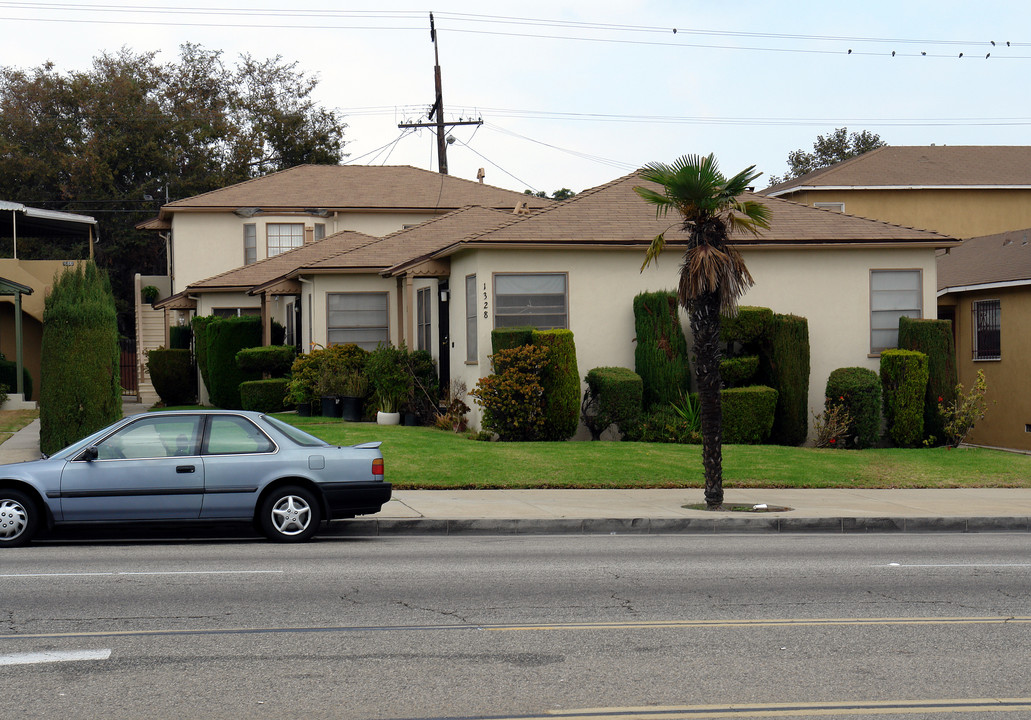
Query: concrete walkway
{"type": "Point", "coordinates": [490, 512]}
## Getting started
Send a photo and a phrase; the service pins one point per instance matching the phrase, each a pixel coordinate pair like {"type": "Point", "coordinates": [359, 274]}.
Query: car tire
{"type": "Point", "coordinates": [290, 514]}
{"type": "Point", "coordinates": [19, 518]}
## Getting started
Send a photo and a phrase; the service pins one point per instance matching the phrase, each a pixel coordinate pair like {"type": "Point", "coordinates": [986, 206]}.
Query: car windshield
{"type": "Point", "coordinates": [298, 436]}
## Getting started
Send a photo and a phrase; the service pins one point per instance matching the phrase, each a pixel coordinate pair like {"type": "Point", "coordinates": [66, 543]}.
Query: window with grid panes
{"type": "Point", "coordinates": [357, 317]}
{"type": "Point", "coordinates": [284, 236]}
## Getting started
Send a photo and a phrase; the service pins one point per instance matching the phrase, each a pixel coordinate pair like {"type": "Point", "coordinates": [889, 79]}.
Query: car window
{"type": "Point", "coordinates": [153, 437]}
{"type": "Point", "coordinates": [298, 436]}
{"type": "Point", "coordinates": [231, 434]}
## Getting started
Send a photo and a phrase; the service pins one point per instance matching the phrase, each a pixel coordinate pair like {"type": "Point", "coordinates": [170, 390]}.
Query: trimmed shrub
{"type": "Point", "coordinates": [275, 360]}
{"type": "Point", "coordinates": [748, 414]}
{"type": "Point", "coordinates": [200, 346]}
{"type": "Point", "coordinates": [613, 397]}
{"type": "Point", "coordinates": [227, 337]}
{"type": "Point", "coordinates": [180, 337]}
{"type": "Point", "coordinates": [511, 396]}
{"type": "Point", "coordinates": [263, 395]}
{"type": "Point", "coordinates": [904, 382]}
{"type": "Point", "coordinates": [739, 371]}
{"type": "Point", "coordinates": [662, 424]}
{"type": "Point", "coordinates": [507, 338]}
{"type": "Point", "coordinates": [79, 370]}
{"type": "Point", "coordinates": [858, 391]}
{"type": "Point", "coordinates": [560, 379]}
{"type": "Point", "coordinates": [748, 327]}
{"type": "Point", "coordinates": [387, 370]}
{"type": "Point", "coordinates": [934, 339]}
{"type": "Point", "coordinates": [660, 357]}
{"type": "Point", "coordinates": [173, 375]}
{"type": "Point", "coordinates": [9, 377]}
{"type": "Point", "coordinates": [784, 366]}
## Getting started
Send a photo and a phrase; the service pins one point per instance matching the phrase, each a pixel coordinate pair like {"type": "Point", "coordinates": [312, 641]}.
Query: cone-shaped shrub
{"type": "Point", "coordinates": [661, 354]}
{"type": "Point", "coordinates": [173, 374]}
{"type": "Point", "coordinates": [858, 391]}
{"type": "Point", "coordinates": [227, 337]}
{"type": "Point", "coordinates": [903, 384]}
{"type": "Point", "coordinates": [79, 369]}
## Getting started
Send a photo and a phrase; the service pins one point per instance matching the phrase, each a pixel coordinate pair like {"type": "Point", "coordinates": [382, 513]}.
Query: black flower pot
{"type": "Point", "coordinates": [330, 406]}
{"type": "Point", "coordinates": [304, 409]}
{"type": "Point", "coordinates": [351, 408]}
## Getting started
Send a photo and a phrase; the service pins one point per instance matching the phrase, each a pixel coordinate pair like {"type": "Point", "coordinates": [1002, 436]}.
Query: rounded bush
{"type": "Point", "coordinates": [613, 398]}
{"type": "Point", "coordinates": [265, 396]}
{"type": "Point", "coordinates": [858, 391]}
{"type": "Point", "coordinates": [173, 375]}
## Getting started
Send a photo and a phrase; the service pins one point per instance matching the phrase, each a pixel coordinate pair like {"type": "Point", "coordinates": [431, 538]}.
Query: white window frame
{"type": "Point", "coordinates": [337, 329]}
{"type": "Point", "coordinates": [471, 310]}
{"type": "Point", "coordinates": [278, 240]}
{"type": "Point", "coordinates": [989, 310]}
{"type": "Point", "coordinates": [513, 317]}
{"type": "Point", "coordinates": [882, 306]}
{"type": "Point", "coordinates": [424, 331]}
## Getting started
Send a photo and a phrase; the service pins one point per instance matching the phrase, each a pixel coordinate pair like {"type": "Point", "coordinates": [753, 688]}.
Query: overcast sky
{"type": "Point", "coordinates": [574, 94]}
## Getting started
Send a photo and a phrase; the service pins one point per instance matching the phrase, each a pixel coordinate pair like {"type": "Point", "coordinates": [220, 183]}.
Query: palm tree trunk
{"type": "Point", "coordinates": [705, 326]}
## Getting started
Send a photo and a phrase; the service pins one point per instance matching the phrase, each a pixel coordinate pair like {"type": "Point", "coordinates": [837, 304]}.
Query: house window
{"type": "Point", "coordinates": [359, 318]}
{"type": "Point", "coordinates": [422, 311]}
{"type": "Point", "coordinates": [987, 330]}
{"type": "Point", "coordinates": [535, 300]}
{"type": "Point", "coordinates": [283, 237]}
{"type": "Point", "coordinates": [320, 231]}
{"type": "Point", "coordinates": [290, 337]}
{"type": "Point", "coordinates": [235, 312]}
{"type": "Point", "coordinates": [250, 244]}
{"type": "Point", "coordinates": [470, 319]}
{"type": "Point", "coordinates": [893, 294]}
{"type": "Point", "coordinates": [836, 206]}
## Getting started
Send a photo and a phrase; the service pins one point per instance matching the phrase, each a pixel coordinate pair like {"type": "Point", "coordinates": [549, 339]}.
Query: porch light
{"type": "Point", "coordinates": [444, 295]}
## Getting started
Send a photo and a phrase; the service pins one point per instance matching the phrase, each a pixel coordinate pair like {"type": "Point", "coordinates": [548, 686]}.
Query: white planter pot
{"type": "Point", "coordinates": [385, 418]}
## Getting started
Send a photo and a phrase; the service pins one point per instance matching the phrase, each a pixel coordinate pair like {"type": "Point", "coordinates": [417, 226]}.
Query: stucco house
{"type": "Point", "coordinates": [961, 191]}
{"type": "Point", "coordinates": [445, 284]}
{"type": "Point", "coordinates": [984, 287]}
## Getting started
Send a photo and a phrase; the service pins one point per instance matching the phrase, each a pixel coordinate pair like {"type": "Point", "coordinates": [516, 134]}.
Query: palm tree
{"type": "Point", "coordinates": [712, 276]}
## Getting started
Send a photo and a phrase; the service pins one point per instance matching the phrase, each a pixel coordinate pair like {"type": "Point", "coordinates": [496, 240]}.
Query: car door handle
{"type": "Point", "coordinates": [185, 468]}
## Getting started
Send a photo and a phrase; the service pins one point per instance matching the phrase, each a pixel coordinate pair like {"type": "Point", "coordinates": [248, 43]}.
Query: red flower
{"type": "Point", "coordinates": [941, 399]}
{"type": "Point", "coordinates": [833, 440]}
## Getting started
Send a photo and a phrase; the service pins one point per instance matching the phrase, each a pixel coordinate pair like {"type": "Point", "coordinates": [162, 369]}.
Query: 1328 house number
{"type": "Point", "coordinates": [486, 307]}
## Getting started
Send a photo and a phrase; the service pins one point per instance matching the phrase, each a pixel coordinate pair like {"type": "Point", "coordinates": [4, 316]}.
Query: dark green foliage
{"type": "Point", "coordinates": [662, 424]}
{"type": "Point", "coordinates": [9, 377]}
{"type": "Point", "coordinates": [180, 337]}
{"type": "Point", "coordinates": [510, 337]}
{"type": "Point", "coordinates": [173, 375]}
{"type": "Point", "coordinates": [263, 395]}
{"type": "Point", "coordinates": [784, 366]}
{"type": "Point", "coordinates": [748, 327]}
{"type": "Point", "coordinates": [660, 357]}
{"type": "Point", "coordinates": [511, 396]}
{"type": "Point", "coordinates": [739, 371]}
{"type": "Point", "coordinates": [748, 414]}
{"type": "Point", "coordinates": [200, 346]}
{"type": "Point", "coordinates": [903, 383]}
{"type": "Point", "coordinates": [79, 383]}
{"type": "Point", "coordinates": [336, 368]}
{"type": "Point", "coordinates": [387, 370]}
{"type": "Point", "coordinates": [858, 390]}
{"type": "Point", "coordinates": [560, 379]}
{"type": "Point", "coordinates": [278, 333]}
{"type": "Point", "coordinates": [227, 337]}
{"type": "Point", "coordinates": [275, 360]}
{"type": "Point", "coordinates": [613, 397]}
{"type": "Point", "coordinates": [425, 385]}
{"type": "Point", "coordinates": [934, 339]}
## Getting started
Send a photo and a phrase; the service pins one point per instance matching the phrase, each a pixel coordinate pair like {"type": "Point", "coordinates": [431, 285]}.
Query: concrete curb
{"type": "Point", "coordinates": [373, 527]}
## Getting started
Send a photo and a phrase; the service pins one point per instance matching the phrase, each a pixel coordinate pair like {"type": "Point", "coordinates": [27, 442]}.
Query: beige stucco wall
{"type": "Point", "coordinates": [1008, 379]}
{"type": "Point", "coordinates": [956, 213]}
{"type": "Point", "coordinates": [831, 288]}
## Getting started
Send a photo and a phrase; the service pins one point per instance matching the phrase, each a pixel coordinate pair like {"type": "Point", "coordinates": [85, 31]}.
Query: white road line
{"type": "Point", "coordinates": [156, 572]}
{"type": "Point", "coordinates": [962, 565]}
{"type": "Point", "coordinates": [55, 656]}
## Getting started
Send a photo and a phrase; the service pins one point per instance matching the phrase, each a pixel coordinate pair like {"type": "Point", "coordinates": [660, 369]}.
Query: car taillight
{"type": "Point", "coordinates": [377, 467]}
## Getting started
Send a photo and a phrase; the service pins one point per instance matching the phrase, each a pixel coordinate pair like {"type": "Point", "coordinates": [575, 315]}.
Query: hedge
{"type": "Point", "coordinates": [785, 367]}
{"type": "Point", "coordinates": [9, 377]}
{"type": "Point", "coordinates": [934, 339]}
{"type": "Point", "coordinates": [227, 337]}
{"type": "Point", "coordinates": [748, 414]}
{"type": "Point", "coordinates": [749, 326]}
{"type": "Point", "coordinates": [173, 375]}
{"type": "Point", "coordinates": [560, 379]}
{"type": "Point", "coordinates": [506, 338]}
{"type": "Point", "coordinates": [739, 371]}
{"type": "Point", "coordinates": [180, 337]}
{"type": "Point", "coordinates": [858, 390]}
{"type": "Point", "coordinates": [79, 369]}
{"type": "Point", "coordinates": [263, 395]}
{"type": "Point", "coordinates": [904, 382]}
{"type": "Point", "coordinates": [613, 397]}
{"type": "Point", "coordinates": [660, 357]}
{"type": "Point", "coordinates": [200, 346]}
{"type": "Point", "coordinates": [275, 360]}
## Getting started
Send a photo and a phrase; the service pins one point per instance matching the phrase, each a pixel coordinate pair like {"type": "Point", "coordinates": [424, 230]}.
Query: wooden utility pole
{"type": "Point", "coordinates": [438, 109]}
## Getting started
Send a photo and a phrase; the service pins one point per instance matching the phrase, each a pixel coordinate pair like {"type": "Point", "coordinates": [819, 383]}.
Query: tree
{"type": "Point", "coordinates": [838, 146]}
{"type": "Point", "coordinates": [118, 139]}
{"type": "Point", "coordinates": [713, 275]}
{"type": "Point", "coordinates": [560, 194]}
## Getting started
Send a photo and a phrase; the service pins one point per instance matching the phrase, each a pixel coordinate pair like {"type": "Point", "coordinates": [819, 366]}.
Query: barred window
{"type": "Point", "coordinates": [987, 330]}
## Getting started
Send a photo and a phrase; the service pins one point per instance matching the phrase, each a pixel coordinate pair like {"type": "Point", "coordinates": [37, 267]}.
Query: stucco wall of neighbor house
{"type": "Point", "coordinates": [956, 213]}
{"type": "Point", "coordinates": [32, 343]}
{"type": "Point", "coordinates": [1008, 379]}
{"type": "Point", "coordinates": [831, 288]}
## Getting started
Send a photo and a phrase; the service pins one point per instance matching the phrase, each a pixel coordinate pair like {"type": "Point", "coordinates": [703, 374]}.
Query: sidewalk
{"type": "Point", "coordinates": [545, 512]}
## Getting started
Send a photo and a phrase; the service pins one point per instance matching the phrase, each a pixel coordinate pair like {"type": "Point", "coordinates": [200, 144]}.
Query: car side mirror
{"type": "Point", "coordinates": [90, 454]}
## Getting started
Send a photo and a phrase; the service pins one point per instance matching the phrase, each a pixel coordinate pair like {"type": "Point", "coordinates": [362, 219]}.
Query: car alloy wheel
{"type": "Point", "coordinates": [290, 514]}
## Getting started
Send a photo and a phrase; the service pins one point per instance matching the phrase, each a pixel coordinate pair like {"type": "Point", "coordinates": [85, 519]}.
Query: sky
{"type": "Point", "coordinates": [574, 94]}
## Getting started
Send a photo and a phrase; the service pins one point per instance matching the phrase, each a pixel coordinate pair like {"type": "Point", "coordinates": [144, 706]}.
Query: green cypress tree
{"type": "Point", "coordinates": [79, 369]}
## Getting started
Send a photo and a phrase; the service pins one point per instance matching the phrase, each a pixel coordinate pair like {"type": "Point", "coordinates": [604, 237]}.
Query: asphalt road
{"type": "Point", "coordinates": [608, 626]}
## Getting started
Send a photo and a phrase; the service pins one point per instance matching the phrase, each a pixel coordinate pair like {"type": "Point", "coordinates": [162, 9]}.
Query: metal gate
{"type": "Point", "coordinates": [129, 377]}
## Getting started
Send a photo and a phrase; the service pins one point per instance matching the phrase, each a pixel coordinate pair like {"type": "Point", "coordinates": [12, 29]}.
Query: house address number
{"type": "Point", "coordinates": [486, 307]}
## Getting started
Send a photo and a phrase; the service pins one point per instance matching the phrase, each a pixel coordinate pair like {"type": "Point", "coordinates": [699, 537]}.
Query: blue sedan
{"type": "Point", "coordinates": [186, 465]}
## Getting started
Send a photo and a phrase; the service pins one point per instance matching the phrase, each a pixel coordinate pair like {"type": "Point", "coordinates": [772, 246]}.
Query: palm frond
{"type": "Point", "coordinates": [654, 250]}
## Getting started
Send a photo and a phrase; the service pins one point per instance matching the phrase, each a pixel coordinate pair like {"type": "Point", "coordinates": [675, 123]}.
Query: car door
{"type": "Point", "coordinates": [238, 457]}
{"type": "Point", "coordinates": [149, 469]}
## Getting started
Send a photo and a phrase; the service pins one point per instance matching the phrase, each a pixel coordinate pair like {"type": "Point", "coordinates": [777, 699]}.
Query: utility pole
{"type": "Point", "coordinates": [438, 109]}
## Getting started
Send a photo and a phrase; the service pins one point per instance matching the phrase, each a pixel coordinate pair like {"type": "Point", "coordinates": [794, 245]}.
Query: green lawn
{"type": "Point", "coordinates": [11, 421]}
{"type": "Point", "coordinates": [418, 458]}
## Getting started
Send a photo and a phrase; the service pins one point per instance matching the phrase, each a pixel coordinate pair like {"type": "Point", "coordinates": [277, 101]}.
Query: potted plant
{"type": "Point", "coordinates": [149, 293]}
{"type": "Point", "coordinates": [300, 389]}
{"type": "Point", "coordinates": [329, 388]}
{"type": "Point", "coordinates": [354, 385]}
{"type": "Point", "coordinates": [387, 370]}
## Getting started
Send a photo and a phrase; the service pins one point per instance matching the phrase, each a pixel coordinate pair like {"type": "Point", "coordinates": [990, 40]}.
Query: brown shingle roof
{"type": "Point", "coordinates": [903, 166]}
{"type": "Point", "coordinates": [1005, 257]}
{"type": "Point", "coordinates": [350, 187]}
{"type": "Point", "coordinates": [613, 214]}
